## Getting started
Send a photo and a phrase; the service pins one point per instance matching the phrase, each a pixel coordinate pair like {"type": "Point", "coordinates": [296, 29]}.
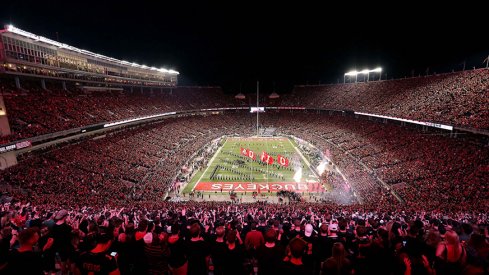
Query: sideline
{"type": "Point", "coordinates": [210, 163]}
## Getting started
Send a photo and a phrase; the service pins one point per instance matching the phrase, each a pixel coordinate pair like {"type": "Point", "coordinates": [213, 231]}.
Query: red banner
{"type": "Point", "coordinates": [251, 154]}
{"type": "Point", "coordinates": [244, 151]}
{"type": "Point", "coordinates": [282, 160]}
{"type": "Point", "coordinates": [266, 158]}
{"type": "Point", "coordinates": [248, 153]}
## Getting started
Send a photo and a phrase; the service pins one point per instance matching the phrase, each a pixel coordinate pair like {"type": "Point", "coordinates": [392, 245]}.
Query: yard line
{"type": "Point", "coordinates": [210, 163]}
{"type": "Point", "coordinates": [266, 143]}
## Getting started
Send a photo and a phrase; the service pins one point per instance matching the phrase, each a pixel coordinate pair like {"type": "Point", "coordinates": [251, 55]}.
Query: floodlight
{"type": "Point", "coordinates": [351, 73]}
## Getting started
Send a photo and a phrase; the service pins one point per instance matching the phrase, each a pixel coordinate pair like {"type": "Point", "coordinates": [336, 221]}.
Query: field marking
{"type": "Point", "coordinates": [210, 163]}
{"type": "Point", "coordinates": [256, 187]}
{"type": "Point", "coordinates": [266, 146]}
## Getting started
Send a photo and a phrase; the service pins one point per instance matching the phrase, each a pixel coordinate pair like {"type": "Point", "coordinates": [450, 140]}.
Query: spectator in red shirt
{"type": "Point", "coordinates": [254, 238]}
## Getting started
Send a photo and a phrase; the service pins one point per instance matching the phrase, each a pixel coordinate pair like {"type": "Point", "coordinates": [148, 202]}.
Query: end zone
{"type": "Point", "coordinates": [258, 187]}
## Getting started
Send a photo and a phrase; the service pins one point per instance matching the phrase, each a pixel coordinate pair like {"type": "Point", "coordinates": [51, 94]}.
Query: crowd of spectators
{"type": "Point", "coordinates": [459, 98]}
{"type": "Point", "coordinates": [425, 169]}
{"type": "Point", "coordinates": [226, 238]}
{"type": "Point", "coordinates": [377, 161]}
{"type": "Point", "coordinates": [34, 111]}
{"type": "Point", "coordinates": [98, 205]}
{"type": "Point", "coordinates": [135, 165]}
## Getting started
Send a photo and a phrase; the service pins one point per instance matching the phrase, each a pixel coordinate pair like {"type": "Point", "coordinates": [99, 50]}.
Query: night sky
{"type": "Point", "coordinates": [237, 43]}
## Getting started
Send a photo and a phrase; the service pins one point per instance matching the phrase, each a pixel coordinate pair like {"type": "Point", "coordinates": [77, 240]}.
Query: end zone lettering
{"type": "Point", "coordinates": [253, 187]}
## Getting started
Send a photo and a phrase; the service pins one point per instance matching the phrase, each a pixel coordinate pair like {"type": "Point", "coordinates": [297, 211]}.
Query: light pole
{"type": "Point", "coordinates": [351, 73]}
{"type": "Point", "coordinates": [364, 72]}
{"type": "Point", "coordinates": [377, 70]}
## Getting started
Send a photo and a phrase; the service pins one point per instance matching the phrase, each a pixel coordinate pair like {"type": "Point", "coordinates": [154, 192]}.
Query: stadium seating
{"type": "Point", "coordinates": [430, 170]}
{"type": "Point", "coordinates": [459, 98]}
{"type": "Point", "coordinates": [38, 111]}
{"type": "Point", "coordinates": [120, 182]}
{"type": "Point", "coordinates": [119, 167]}
{"type": "Point", "coordinates": [435, 171]}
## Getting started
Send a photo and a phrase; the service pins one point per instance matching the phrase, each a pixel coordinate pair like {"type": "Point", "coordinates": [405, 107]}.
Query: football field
{"type": "Point", "coordinates": [232, 170]}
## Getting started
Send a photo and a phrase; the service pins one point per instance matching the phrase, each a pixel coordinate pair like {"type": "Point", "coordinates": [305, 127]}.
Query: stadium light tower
{"type": "Point", "coordinates": [350, 73]}
{"type": "Point", "coordinates": [377, 70]}
{"type": "Point", "coordinates": [365, 71]}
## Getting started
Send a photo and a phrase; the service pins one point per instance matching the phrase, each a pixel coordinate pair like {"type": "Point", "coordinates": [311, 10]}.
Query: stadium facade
{"type": "Point", "coordinates": [23, 53]}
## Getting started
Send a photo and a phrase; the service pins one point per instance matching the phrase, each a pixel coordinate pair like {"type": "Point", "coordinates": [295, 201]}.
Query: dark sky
{"type": "Point", "coordinates": [240, 42]}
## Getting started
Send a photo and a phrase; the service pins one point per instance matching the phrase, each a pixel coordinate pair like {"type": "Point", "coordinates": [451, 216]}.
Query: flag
{"type": "Point", "coordinates": [282, 160]}
{"type": "Point", "coordinates": [266, 158]}
{"type": "Point", "coordinates": [244, 151]}
{"type": "Point", "coordinates": [251, 154]}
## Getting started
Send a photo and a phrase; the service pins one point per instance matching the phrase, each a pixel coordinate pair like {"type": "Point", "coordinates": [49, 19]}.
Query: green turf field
{"type": "Point", "coordinates": [228, 165]}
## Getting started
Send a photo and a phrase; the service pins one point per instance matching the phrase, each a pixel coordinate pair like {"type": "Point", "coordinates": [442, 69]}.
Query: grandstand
{"type": "Point", "coordinates": [368, 165]}
{"type": "Point", "coordinates": [24, 53]}
{"type": "Point", "coordinates": [80, 109]}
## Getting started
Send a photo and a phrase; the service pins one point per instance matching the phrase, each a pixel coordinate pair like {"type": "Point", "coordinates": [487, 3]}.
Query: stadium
{"type": "Point", "coordinates": [109, 166]}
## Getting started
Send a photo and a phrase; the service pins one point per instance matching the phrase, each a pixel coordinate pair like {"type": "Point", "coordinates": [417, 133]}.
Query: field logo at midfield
{"type": "Point", "coordinates": [258, 187]}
